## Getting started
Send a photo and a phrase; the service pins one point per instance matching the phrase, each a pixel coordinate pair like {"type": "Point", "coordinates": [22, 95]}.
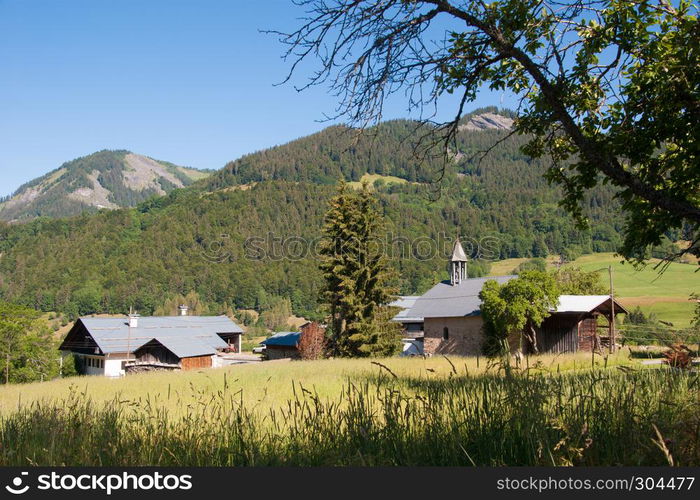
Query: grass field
{"type": "Point", "coordinates": [269, 384]}
{"type": "Point", "coordinates": [352, 412]}
{"type": "Point", "coordinates": [667, 294]}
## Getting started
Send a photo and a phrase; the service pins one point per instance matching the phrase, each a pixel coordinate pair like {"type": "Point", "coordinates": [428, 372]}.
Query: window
{"type": "Point", "coordinates": [445, 333]}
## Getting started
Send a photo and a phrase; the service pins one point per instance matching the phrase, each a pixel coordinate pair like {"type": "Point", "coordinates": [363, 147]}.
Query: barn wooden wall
{"type": "Point", "coordinates": [196, 362]}
{"type": "Point", "coordinates": [588, 330]}
{"type": "Point", "coordinates": [156, 354]}
{"type": "Point", "coordinates": [558, 333]}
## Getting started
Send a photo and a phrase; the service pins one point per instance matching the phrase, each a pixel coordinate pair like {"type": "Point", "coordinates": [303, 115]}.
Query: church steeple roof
{"type": "Point", "coordinates": [458, 254]}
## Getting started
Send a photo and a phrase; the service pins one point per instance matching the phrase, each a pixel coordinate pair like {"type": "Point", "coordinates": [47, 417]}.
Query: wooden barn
{"type": "Point", "coordinates": [574, 325]}
{"type": "Point", "coordinates": [116, 346]}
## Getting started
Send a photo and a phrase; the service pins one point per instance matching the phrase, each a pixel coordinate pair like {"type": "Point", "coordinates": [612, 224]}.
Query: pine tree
{"type": "Point", "coordinates": [356, 276]}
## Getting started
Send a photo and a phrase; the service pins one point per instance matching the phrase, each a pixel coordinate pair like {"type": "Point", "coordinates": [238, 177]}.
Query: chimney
{"type": "Point", "coordinates": [133, 320]}
{"type": "Point", "coordinates": [183, 310]}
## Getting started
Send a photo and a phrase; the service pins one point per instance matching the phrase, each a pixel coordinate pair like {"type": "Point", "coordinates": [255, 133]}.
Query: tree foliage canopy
{"type": "Point", "coordinates": [575, 281]}
{"type": "Point", "coordinates": [27, 351]}
{"type": "Point", "coordinates": [516, 307]}
{"type": "Point", "coordinates": [609, 89]}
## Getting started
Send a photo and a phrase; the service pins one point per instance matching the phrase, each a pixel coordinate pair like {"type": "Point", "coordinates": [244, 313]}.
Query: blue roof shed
{"type": "Point", "coordinates": [283, 339]}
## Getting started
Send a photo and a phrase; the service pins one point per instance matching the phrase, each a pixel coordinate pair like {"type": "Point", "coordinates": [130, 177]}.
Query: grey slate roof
{"type": "Point", "coordinates": [286, 339]}
{"type": "Point", "coordinates": [184, 336]}
{"type": "Point", "coordinates": [447, 301]}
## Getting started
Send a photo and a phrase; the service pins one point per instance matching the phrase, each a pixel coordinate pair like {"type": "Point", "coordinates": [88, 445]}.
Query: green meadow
{"type": "Point", "coordinates": [270, 384]}
{"type": "Point", "coordinates": [551, 411]}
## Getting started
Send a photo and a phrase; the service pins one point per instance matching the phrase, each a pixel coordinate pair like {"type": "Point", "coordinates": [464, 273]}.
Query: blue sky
{"type": "Point", "coordinates": [191, 82]}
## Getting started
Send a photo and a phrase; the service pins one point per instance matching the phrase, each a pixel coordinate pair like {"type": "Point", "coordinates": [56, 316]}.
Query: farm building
{"type": "Point", "coordinates": [412, 326]}
{"type": "Point", "coordinates": [116, 346]}
{"type": "Point", "coordinates": [452, 322]}
{"type": "Point", "coordinates": [412, 332]}
{"type": "Point", "coordinates": [285, 345]}
{"type": "Point", "coordinates": [573, 325]}
{"type": "Point", "coordinates": [282, 345]}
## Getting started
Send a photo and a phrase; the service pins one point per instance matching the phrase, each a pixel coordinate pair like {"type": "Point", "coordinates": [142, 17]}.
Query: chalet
{"type": "Point", "coordinates": [116, 346]}
{"type": "Point", "coordinates": [452, 322]}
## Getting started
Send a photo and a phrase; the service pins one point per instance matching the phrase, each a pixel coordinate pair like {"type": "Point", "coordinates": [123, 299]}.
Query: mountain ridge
{"type": "Point", "coordinates": [106, 179]}
{"type": "Point", "coordinates": [110, 179]}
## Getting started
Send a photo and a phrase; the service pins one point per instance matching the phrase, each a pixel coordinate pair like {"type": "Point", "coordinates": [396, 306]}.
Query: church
{"type": "Point", "coordinates": [450, 315]}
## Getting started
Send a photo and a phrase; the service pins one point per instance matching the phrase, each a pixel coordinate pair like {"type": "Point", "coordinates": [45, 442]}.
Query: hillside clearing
{"type": "Point", "coordinates": [371, 178]}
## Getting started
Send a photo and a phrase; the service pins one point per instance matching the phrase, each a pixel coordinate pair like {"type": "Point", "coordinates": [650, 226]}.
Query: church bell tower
{"type": "Point", "coordinates": [458, 264]}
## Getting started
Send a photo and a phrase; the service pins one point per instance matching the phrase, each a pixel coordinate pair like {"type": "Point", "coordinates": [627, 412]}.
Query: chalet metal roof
{"type": "Point", "coordinates": [586, 303]}
{"type": "Point", "coordinates": [184, 347]}
{"type": "Point", "coordinates": [184, 336]}
{"type": "Point", "coordinates": [286, 339]}
{"type": "Point", "coordinates": [445, 300]}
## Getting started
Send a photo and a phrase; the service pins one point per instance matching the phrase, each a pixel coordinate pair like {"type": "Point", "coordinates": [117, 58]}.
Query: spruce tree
{"type": "Point", "coordinates": [357, 276]}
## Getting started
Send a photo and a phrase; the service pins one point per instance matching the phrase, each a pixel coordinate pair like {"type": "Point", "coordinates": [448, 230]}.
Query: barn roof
{"type": "Point", "coordinates": [184, 336]}
{"type": "Point", "coordinates": [184, 347]}
{"type": "Point", "coordinates": [285, 339]}
{"type": "Point", "coordinates": [586, 303]}
{"type": "Point", "coordinates": [445, 300]}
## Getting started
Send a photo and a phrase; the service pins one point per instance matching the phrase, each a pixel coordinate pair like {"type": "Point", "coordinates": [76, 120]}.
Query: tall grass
{"type": "Point", "coordinates": [268, 384]}
{"type": "Point", "coordinates": [599, 417]}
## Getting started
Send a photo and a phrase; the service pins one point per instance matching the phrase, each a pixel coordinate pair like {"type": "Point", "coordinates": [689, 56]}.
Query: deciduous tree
{"type": "Point", "coordinates": [27, 350]}
{"type": "Point", "coordinates": [516, 307]}
{"type": "Point", "coordinates": [575, 281]}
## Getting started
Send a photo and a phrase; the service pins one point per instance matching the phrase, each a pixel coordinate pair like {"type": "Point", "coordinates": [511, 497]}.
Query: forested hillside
{"type": "Point", "coordinates": [194, 239]}
{"type": "Point", "coordinates": [106, 179]}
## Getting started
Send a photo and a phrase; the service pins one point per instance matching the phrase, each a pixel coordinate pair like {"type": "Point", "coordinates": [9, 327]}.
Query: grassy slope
{"type": "Point", "coordinates": [370, 178]}
{"type": "Point", "coordinates": [666, 295]}
{"type": "Point", "coordinates": [265, 385]}
{"type": "Point", "coordinates": [194, 174]}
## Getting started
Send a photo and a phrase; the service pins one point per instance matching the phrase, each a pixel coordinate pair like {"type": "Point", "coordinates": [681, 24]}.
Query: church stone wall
{"type": "Point", "coordinates": [465, 336]}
